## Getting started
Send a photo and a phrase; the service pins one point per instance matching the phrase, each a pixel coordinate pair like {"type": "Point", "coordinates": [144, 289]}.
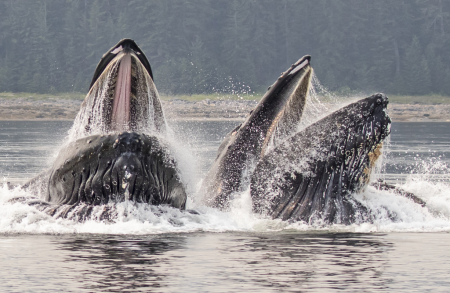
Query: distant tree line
{"type": "Point", "coordinates": [204, 46]}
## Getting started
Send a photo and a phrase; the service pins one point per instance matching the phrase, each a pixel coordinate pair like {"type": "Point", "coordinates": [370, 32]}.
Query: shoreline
{"type": "Point", "coordinates": [27, 109]}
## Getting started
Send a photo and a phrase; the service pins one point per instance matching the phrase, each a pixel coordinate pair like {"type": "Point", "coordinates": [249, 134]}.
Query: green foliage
{"type": "Point", "coordinates": [229, 46]}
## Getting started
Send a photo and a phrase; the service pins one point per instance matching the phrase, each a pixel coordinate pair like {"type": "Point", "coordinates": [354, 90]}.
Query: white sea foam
{"type": "Point", "coordinates": [392, 213]}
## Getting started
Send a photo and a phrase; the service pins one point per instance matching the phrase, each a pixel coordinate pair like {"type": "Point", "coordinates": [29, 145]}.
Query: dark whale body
{"type": "Point", "coordinates": [312, 175]}
{"type": "Point", "coordinates": [117, 149]}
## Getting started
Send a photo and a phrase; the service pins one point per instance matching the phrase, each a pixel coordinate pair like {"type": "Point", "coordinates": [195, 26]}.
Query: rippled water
{"type": "Point", "coordinates": [235, 251]}
{"type": "Point", "coordinates": [226, 262]}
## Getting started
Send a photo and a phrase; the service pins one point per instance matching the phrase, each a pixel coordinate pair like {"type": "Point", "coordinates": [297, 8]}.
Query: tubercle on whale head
{"type": "Point", "coordinates": [375, 106]}
{"type": "Point", "coordinates": [380, 103]}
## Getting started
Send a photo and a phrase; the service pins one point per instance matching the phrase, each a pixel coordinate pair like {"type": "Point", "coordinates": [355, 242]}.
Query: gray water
{"type": "Point", "coordinates": [236, 251]}
{"type": "Point", "coordinates": [226, 262]}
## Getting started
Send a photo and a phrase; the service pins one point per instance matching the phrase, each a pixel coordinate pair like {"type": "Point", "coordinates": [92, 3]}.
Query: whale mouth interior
{"type": "Point", "coordinates": [126, 84]}
{"type": "Point", "coordinates": [120, 116]}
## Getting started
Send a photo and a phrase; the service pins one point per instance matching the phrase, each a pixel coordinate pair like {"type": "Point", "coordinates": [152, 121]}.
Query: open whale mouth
{"type": "Point", "coordinates": [122, 99]}
{"type": "Point", "coordinates": [122, 95]}
{"type": "Point", "coordinates": [117, 150]}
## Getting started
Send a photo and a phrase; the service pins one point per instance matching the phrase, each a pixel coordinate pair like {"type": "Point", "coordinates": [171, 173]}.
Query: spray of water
{"type": "Point", "coordinates": [319, 103]}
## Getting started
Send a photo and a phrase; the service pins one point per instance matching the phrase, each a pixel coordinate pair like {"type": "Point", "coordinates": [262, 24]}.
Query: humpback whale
{"type": "Point", "coordinates": [312, 175]}
{"type": "Point", "coordinates": [117, 149]}
{"type": "Point", "coordinates": [307, 175]}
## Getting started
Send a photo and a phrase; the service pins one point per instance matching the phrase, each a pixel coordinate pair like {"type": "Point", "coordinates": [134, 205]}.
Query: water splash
{"type": "Point", "coordinates": [320, 102]}
{"type": "Point", "coordinates": [392, 212]}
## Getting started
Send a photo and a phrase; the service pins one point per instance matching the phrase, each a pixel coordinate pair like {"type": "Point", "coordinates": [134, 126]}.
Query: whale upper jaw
{"type": "Point", "coordinates": [127, 45]}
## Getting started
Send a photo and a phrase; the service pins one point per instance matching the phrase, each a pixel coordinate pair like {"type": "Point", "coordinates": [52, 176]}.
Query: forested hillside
{"type": "Point", "coordinates": [204, 46]}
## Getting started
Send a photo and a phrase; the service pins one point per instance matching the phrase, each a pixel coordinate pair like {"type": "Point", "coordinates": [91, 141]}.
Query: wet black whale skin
{"type": "Point", "coordinates": [312, 175]}
{"type": "Point", "coordinates": [113, 168]}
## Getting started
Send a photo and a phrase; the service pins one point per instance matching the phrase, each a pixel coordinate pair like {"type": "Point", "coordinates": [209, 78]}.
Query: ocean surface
{"type": "Point", "coordinates": [234, 251]}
